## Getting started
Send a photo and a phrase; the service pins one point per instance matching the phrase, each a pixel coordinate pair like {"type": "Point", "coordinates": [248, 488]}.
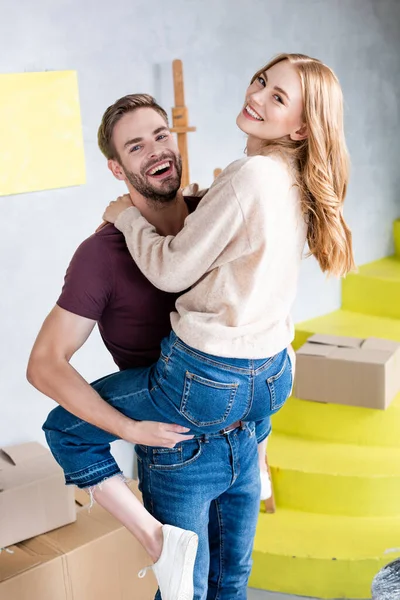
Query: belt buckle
{"type": "Point", "coordinates": [231, 427]}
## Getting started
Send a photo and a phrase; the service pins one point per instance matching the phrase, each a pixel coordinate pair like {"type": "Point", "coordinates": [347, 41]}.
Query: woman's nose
{"type": "Point", "coordinates": [258, 97]}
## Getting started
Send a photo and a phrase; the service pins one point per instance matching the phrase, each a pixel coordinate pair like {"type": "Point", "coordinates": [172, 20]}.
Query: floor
{"type": "Point", "coordinates": [261, 595]}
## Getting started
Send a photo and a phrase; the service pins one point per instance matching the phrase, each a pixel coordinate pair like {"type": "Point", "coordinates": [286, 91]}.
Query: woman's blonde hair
{"type": "Point", "coordinates": [322, 163]}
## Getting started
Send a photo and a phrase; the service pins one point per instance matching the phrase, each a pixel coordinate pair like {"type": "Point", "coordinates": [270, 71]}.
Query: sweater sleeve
{"type": "Point", "coordinates": [175, 263]}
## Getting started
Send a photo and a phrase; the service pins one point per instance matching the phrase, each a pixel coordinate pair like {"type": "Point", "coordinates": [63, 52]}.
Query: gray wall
{"type": "Point", "coordinates": [126, 47]}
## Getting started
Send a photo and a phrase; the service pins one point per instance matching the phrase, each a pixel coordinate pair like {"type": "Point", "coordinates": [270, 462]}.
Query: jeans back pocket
{"type": "Point", "coordinates": [280, 385]}
{"type": "Point", "coordinates": [206, 402]}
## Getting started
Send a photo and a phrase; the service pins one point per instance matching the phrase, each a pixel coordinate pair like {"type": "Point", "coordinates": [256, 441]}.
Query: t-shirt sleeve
{"type": "Point", "coordinates": [88, 281]}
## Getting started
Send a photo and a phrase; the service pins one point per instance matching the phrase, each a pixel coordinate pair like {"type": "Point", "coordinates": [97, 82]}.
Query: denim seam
{"type": "Point", "coordinates": [250, 398]}
{"type": "Point", "coordinates": [221, 548]}
{"type": "Point", "coordinates": [143, 448]}
{"type": "Point", "coordinates": [140, 474]}
{"type": "Point", "coordinates": [157, 385]}
{"type": "Point", "coordinates": [210, 383]}
{"type": "Point", "coordinates": [265, 366]}
{"type": "Point", "coordinates": [235, 458]}
{"type": "Point", "coordinates": [82, 422]}
{"type": "Point", "coordinates": [272, 392]}
{"type": "Point", "coordinates": [165, 360]}
{"type": "Point", "coordinates": [97, 468]}
{"type": "Point", "coordinates": [149, 495]}
{"type": "Point", "coordinates": [156, 450]}
{"type": "Point", "coordinates": [48, 434]}
{"type": "Point", "coordinates": [87, 482]}
{"type": "Point", "coordinates": [226, 367]}
{"type": "Point", "coordinates": [178, 466]}
{"type": "Point", "coordinates": [161, 379]}
{"type": "Point", "coordinates": [264, 437]}
{"type": "Point", "coordinates": [171, 350]}
{"type": "Point", "coordinates": [279, 374]}
{"type": "Point", "coordinates": [271, 385]}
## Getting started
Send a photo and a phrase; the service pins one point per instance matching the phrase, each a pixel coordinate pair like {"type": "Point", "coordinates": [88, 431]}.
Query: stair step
{"type": "Point", "coordinates": [374, 290]}
{"type": "Point", "coordinates": [340, 424]}
{"type": "Point", "coordinates": [396, 237]}
{"type": "Point", "coordinates": [333, 459]}
{"type": "Point", "coordinates": [322, 477]}
{"type": "Point", "coordinates": [324, 556]}
{"type": "Point", "coordinates": [349, 323]}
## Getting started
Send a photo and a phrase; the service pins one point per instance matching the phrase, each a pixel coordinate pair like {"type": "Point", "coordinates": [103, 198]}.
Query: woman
{"type": "Point", "coordinates": [226, 360]}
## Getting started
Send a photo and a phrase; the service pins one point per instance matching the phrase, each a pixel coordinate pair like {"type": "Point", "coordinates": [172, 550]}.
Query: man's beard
{"type": "Point", "coordinates": [164, 193]}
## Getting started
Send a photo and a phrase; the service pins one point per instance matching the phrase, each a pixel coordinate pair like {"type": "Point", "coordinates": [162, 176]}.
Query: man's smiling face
{"type": "Point", "coordinates": [148, 154]}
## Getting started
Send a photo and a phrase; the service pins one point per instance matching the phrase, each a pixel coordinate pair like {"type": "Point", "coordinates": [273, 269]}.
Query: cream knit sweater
{"type": "Point", "coordinates": [239, 253]}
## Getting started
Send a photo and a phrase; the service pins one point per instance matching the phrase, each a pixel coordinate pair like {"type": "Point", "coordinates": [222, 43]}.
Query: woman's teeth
{"type": "Point", "coordinates": [253, 113]}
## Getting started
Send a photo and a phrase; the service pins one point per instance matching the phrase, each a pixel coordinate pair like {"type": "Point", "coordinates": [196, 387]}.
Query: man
{"type": "Point", "coordinates": [210, 485]}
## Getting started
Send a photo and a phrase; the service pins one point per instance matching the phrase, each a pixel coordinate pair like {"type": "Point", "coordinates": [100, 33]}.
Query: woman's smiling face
{"type": "Point", "coordinates": [274, 106]}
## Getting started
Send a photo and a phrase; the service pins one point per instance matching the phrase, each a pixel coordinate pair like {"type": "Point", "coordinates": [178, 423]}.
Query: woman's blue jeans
{"type": "Point", "coordinates": [186, 387]}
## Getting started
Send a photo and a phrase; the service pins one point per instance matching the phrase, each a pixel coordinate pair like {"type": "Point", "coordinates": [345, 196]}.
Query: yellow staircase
{"type": "Point", "coordinates": [336, 469]}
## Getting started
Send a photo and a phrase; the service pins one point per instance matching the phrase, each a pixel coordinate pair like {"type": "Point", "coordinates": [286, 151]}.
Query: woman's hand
{"type": "Point", "coordinates": [116, 207]}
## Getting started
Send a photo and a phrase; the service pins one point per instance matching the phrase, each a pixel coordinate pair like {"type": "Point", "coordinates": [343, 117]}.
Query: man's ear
{"type": "Point", "coordinates": [300, 134]}
{"type": "Point", "coordinates": [116, 169]}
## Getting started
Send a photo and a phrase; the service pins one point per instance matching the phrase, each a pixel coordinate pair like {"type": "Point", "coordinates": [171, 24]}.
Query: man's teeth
{"type": "Point", "coordinates": [161, 167]}
{"type": "Point", "coordinates": [253, 114]}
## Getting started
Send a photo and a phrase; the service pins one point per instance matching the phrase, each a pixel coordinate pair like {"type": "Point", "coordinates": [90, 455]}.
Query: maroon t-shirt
{"type": "Point", "coordinates": [103, 283]}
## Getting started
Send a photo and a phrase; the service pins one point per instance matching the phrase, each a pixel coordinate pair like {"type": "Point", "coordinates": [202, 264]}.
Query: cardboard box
{"type": "Point", "coordinates": [33, 495]}
{"type": "Point", "coordinates": [344, 370]}
{"type": "Point", "coordinates": [95, 558]}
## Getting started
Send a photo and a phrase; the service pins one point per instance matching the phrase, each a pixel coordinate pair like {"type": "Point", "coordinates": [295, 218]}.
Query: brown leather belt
{"type": "Point", "coordinates": [231, 427]}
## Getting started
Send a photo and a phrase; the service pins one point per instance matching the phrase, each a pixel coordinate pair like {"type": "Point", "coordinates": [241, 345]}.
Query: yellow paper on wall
{"type": "Point", "coordinates": [40, 132]}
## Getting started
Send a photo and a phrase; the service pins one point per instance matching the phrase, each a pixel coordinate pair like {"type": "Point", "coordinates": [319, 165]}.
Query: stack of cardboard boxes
{"type": "Point", "coordinates": [345, 370]}
{"type": "Point", "coordinates": [55, 548]}
{"type": "Point", "coordinates": [52, 546]}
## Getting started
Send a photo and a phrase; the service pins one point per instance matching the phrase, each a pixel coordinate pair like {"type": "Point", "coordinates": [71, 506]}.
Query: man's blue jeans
{"type": "Point", "coordinates": [185, 386]}
{"type": "Point", "coordinates": [209, 482]}
{"type": "Point", "coordinates": [210, 485]}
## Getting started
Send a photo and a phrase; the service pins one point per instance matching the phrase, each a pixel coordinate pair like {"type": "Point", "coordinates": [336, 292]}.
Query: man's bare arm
{"type": "Point", "coordinates": [49, 371]}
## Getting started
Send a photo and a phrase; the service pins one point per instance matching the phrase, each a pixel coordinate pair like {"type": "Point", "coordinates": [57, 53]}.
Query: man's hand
{"type": "Point", "coordinates": [62, 334]}
{"type": "Point", "coordinates": [100, 227]}
{"type": "Point", "coordinates": [151, 433]}
{"type": "Point", "coordinates": [116, 207]}
{"type": "Point", "coordinates": [194, 190]}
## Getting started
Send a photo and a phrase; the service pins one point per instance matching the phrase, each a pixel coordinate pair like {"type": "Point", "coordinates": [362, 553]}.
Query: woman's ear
{"type": "Point", "coordinates": [116, 169]}
{"type": "Point", "coordinates": [300, 134]}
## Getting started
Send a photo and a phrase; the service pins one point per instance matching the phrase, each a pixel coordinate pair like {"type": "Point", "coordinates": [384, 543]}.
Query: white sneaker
{"type": "Point", "coordinates": [174, 568]}
{"type": "Point", "coordinates": [266, 487]}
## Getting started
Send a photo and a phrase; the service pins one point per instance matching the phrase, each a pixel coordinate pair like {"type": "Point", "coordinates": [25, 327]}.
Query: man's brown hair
{"type": "Point", "coordinates": [115, 112]}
